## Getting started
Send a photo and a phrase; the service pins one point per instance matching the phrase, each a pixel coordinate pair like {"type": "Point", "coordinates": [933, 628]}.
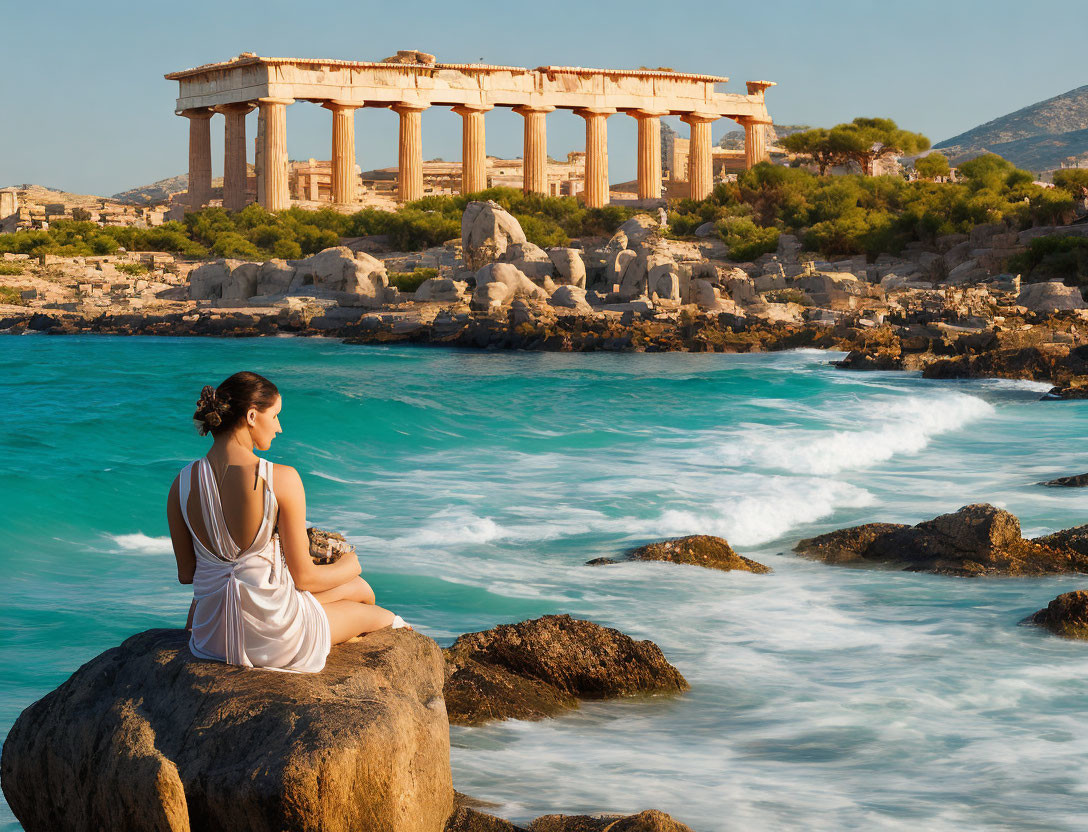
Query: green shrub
{"type": "Point", "coordinates": [1053, 257]}
{"type": "Point", "coordinates": [12, 295]}
{"type": "Point", "coordinates": [132, 269]}
{"type": "Point", "coordinates": [10, 268]}
{"type": "Point", "coordinates": [410, 281]}
{"type": "Point", "coordinates": [233, 244]}
{"type": "Point", "coordinates": [745, 239]}
{"type": "Point", "coordinates": [788, 296]}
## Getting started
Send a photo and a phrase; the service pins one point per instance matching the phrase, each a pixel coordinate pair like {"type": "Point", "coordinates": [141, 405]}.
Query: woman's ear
{"type": "Point", "coordinates": [251, 417]}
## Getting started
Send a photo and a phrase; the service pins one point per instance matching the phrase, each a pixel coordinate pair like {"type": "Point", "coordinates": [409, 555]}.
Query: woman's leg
{"type": "Point", "coordinates": [354, 590]}
{"type": "Point", "coordinates": [348, 619]}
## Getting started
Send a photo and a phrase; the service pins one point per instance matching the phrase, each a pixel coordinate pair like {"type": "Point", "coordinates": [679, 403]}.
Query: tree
{"type": "Point", "coordinates": [868, 140]}
{"type": "Point", "coordinates": [1073, 180]}
{"type": "Point", "coordinates": [814, 143]}
{"type": "Point", "coordinates": [932, 165]}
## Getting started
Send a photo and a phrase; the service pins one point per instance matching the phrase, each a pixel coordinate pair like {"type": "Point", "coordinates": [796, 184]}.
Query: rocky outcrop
{"type": "Point", "coordinates": [1076, 481]}
{"type": "Point", "coordinates": [440, 289]}
{"type": "Point", "coordinates": [146, 737]}
{"type": "Point", "coordinates": [499, 283]}
{"type": "Point", "coordinates": [649, 821]}
{"type": "Point", "coordinates": [468, 819]}
{"type": "Point", "coordinates": [487, 230]}
{"type": "Point", "coordinates": [350, 278]}
{"type": "Point", "coordinates": [539, 668]}
{"type": "Point", "coordinates": [693, 550]}
{"type": "Point", "coordinates": [1066, 615]}
{"type": "Point", "coordinates": [976, 540]}
{"type": "Point", "coordinates": [1051, 297]}
{"type": "Point", "coordinates": [1074, 539]}
{"type": "Point", "coordinates": [569, 266]}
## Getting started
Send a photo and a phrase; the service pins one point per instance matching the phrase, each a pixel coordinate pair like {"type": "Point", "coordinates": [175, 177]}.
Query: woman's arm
{"type": "Point", "coordinates": [296, 545]}
{"type": "Point", "coordinates": [180, 536]}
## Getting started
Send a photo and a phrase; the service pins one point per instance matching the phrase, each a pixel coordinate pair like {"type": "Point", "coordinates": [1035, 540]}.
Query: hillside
{"type": "Point", "coordinates": [1038, 137]}
{"type": "Point", "coordinates": [155, 193]}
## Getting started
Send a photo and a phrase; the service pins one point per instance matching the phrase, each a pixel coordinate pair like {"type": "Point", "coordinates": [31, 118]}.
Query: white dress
{"type": "Point", "coordinates": [248, 611]}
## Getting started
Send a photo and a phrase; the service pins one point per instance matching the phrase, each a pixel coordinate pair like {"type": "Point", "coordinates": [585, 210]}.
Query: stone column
{"type": "Point", "coordinates": [649, 152]}
{"type": "Point", "coordinates": [235, 172]}
{"type": "Point", "coordinates": [473, 150]}
{"type": "Point", "coordinates": [755, 141]}
{"type": "Point", "coordinates": [596, 192]}
{"type": "Point", "coordinates": [700, 154]}
{"type": "Point", "coordinates": [410, 155]}
{"type": "Point", "coordinates": [343, 151]}
{"type": "Point", "coordinates": [272, 191]}
{"type": "Point", "coordinates": [534, 158]}
{"type": "Point", "coordinates": [200, 156]}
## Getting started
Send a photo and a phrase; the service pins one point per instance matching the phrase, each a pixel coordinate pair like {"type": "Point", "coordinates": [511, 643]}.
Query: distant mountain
{"type": "Point", "coordinates": [155, 193]}
{"type": "Point", "coordinates": [734, 139]}
{"type": "Point", "coordinates": [1039, 137]}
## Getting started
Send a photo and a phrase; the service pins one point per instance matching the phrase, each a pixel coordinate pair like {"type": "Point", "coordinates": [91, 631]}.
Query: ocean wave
{"type": "Point", "coordinates": [888, 428]}
{"type": "Point", "coordinates": [752, 519]}
{"type": "Point", "coordinates": [140, 542]}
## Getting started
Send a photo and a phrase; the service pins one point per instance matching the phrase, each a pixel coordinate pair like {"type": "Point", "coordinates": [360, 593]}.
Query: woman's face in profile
{"type": "Point", "coordinates": [265, 425]}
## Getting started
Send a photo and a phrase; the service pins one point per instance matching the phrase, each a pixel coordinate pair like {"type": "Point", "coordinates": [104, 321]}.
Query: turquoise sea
{"type": "Point", "coordinates": [476, 484]}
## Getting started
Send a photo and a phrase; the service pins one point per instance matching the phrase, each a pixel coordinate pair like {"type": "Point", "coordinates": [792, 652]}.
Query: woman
{"type": "Point", "coordinates": [238, 526]}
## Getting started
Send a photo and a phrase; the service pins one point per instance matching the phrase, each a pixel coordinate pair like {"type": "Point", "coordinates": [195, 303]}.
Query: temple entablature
{"type": "Point", "coordinates": [471, 89]}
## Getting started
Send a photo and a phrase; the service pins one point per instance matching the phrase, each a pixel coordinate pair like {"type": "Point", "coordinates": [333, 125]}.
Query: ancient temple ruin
{"type": "Point", "coordinates": [411, 85]}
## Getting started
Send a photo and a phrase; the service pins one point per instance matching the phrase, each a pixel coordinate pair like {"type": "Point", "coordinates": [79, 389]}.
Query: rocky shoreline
{"type": "Point", "coordinates": [947, 312]}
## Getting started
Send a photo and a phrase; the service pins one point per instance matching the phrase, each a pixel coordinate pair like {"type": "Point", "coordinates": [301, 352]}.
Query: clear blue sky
{"type": "Point", "coordinates": [85, 107]}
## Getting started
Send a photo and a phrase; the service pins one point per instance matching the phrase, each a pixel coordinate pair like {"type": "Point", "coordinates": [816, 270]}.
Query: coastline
{"type": "Point", "coordinates": [1034, 346]}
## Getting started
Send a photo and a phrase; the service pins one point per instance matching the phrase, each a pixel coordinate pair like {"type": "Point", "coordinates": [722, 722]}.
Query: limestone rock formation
{"type": "Point", "coordinates": [351, 278]}
{"type": "Point", "coordinates": [570, 266]}
{"type": "Point", "coordinates": [208, 281]}
{"type": "Point", "coordinates": [487, 230]}
{"type": "Point", "coordinates": [441, 289]}
{"type": "Point", "coordinates": [146, 737]}
{"type": "Point", "coordinates": [514, 283]}
{"type": "Point", "coordinates": [570, 297]}
{"type": "Point", "coordinates": [1051, 297]}
{"type": "Point", "coordinates": [1066, 615]}
{"type": "Point", "coordinates": [274, 277]}
{"type": "Point", "coordinates": [530, 259]}
{"type": "Point", "coordinates": [1076, 481]}
{"type": "Point", "coordinates": [693, 550]}
{"type": "Point", "coordinates": [538, 668]}
{"type": "Point", "coordinates": [638, 228]}
{"type": "Point", "coordinates": [976, 540]}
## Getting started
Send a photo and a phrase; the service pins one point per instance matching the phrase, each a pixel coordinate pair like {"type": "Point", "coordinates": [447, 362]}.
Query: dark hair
{"type": "Point", "coordinates": [220, 408]}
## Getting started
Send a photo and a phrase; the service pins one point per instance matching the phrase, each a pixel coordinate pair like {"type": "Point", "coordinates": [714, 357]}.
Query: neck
{"type": "Point", "coordinates": [234, 447]}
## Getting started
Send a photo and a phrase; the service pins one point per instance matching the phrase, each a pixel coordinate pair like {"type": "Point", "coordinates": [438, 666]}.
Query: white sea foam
{"type": "Point", "coordinates": [140, 542]}
{"type": "Point", "coordinates": [885, 428]}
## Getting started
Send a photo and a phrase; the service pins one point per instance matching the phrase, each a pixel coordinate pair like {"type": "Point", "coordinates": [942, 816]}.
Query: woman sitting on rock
{"type": "Point", "coordinates": [238, 526]}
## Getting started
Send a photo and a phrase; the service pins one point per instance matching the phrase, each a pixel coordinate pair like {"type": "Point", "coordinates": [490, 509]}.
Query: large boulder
{"type": "Point", "coordinates": [147, 737]}
{"type": "Point", "coordinates": [570, 297]}
{"type": "Point", "coordinates": [1066, 615]}
{"type": "Point", "coordinates": [693, 550]}
{"type": "Point", "coordinates": [976, 540]}
{"type": "Point", "coordinates": [512, 277]}
{"type": "Point", "coordinates": [570, 266]}
{"type": "Point", "coordinates": [442, 289]}
{"type": "Point", "coordinates": [1051, 297]}
{"type": "Point", "coordinates": [1074, 539]}
{"type": "Point", "coordinates": [530, 259]}
{"type": "Point", "coordinates": [351, 278]}
{"type": "Point", "coordinates": [638, 228]}
{"type": "Point", "coordinates": [210, 280]}
{"type": "Point", "coordinates": [1074, 481]}
{"type": "Point", "coordinates": [487, 230]}
{"type": "Point", "coordinates": [542, 667]}
{"type": "Point", "coordinates": [275, 277]}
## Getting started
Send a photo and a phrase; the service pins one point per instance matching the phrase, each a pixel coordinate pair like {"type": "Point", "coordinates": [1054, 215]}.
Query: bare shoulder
{"type": "Point", "coordinates": [286, 482]}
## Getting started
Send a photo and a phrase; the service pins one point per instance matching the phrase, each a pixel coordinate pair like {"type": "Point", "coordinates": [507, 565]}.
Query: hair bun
{"type": "Point", "coordinates": [211, 407]}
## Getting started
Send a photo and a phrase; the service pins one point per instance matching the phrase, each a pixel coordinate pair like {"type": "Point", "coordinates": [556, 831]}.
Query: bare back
{"type": "Point", "coordinates": [242, 495]}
